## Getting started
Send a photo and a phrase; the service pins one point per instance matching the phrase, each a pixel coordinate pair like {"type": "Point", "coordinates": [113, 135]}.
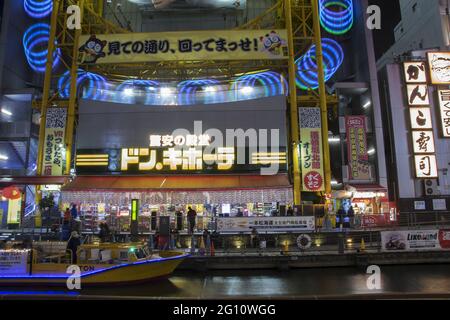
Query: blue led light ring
{"type": "Point", "coordinates": [38, 9]}
{"type": "Point", "coordinates": [90, 84]}
{"type": "Point", "coordinates": [35, 44]}
{"type": "Point", "coordinates": [188, 91]}
{"type": "Point", "coordinates": [336, 16]}
{"type": "Point", "coordinates": [333, 56]}
{"type": "Point", "coordinates": [272, 82]}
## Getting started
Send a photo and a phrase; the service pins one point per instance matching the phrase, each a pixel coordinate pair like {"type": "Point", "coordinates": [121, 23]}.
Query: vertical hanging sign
{"type": "Point", "coordinates": [358, 156]}
{"type": "Point", "coordinates": [444, 110]}
{"type": "Point", "coordinates": [415, 74]}
{"type": "Point", "coordinates": [54, 150]}
{"type": "Point", "coordinates": [311, 150]}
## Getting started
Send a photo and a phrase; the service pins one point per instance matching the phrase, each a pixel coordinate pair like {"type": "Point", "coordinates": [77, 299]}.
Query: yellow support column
{"type": "Point", "coordinates": [293, 108]}
{"type": "Point", "coordinates": [322, 95]}
{"type": "Point", "coordinates": [73, 95]}
{"type": "Point", "coordinates": [47, 83]}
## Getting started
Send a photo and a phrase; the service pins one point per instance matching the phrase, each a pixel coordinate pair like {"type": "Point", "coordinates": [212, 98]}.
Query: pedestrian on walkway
{"type": "Point", "coordinates": [191, 215]}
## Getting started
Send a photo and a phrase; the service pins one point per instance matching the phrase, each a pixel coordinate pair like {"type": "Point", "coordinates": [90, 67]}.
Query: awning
{"type": "Point", "coordinates": [177, 183]}
{"type": "Point", "coordinates": [369, 187]}
{"type": "Point", "coordinates": [33, 180]}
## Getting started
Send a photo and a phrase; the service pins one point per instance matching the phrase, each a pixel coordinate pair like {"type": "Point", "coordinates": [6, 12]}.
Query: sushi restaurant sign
{"type": "Point", "coordinates": [13, 262]}
{"type": "Point", "coordinates": [184, 46]}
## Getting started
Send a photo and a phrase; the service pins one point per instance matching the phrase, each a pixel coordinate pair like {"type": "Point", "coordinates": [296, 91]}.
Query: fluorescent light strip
{"type": "Point", "coordinates": [92, 156]}
{"type": "Point", "coordinates": [96, 164]}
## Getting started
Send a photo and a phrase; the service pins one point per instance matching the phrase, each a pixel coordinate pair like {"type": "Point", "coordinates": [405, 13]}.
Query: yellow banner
{"type": "Point", "coordinates": [14, 209]}
{"type": "Point", "coordinates": [54, 150]}
{"type": "Point", "coordinates": [184, 46]}
{"type": "Point", "coordinates": [311, 150]}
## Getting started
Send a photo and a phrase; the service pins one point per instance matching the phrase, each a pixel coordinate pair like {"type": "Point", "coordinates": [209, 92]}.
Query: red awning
{"type": "Point", "coordinates": [33, 180]}
{"type": "Point", "coordinates": [178, 183]}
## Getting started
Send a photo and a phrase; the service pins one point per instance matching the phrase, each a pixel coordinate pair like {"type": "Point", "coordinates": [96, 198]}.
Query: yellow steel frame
{"type": "Point", "coordinates": [299, 17]}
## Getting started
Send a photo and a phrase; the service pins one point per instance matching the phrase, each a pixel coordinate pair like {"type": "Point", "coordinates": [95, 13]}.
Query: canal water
{"type": "Point", "coordinates": [412, 279]}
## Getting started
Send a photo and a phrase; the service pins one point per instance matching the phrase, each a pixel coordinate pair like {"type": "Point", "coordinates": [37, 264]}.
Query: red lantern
{"type": "Point", "coordinates": [11, 193]}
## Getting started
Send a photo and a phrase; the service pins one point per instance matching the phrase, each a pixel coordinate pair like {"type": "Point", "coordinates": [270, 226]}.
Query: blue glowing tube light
{"type": "Point", "coordinates": [38, 9]}
{"type": "Point", "coordinates": [273, 84]}
{"type": "Point", "coordinates": [190, 91]}
{"type": "Point", "coordinates": [35, 45]}
{"type": "Point", "coordinates": [125, 92]}
{"type": "Point", "coordinates": [336, 16]}
{"type": "Point", "coordinates": [333, 56]}
{"type": "Point", "coordinates": [90, 84]}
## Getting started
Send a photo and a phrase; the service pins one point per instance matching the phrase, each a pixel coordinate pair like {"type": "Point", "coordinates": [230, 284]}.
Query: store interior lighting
{"type": "Point", "coordinates": [128, 92]}
{"type": "Point", "coordinates": [334, 139]}
{"type": "Point", "coordinates": [371, 151]}
{"type": "Point", "coordinates": [210, 89]}
{"type": "Point", "coordinates": [368, 103]}
{"type": "Point", "coordinates": [3, 157]}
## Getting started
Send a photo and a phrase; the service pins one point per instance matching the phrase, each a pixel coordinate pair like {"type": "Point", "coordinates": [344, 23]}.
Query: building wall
{"type": "Point", "coordinates": [424, 27]}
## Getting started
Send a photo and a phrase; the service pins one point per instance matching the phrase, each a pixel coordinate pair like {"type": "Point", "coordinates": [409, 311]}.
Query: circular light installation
{"type": "Point", "coordinates": [130, 91]}
{"type": "Point", "coordinates": [336, 16]}
{"type": "Point", "coordinates": [205, 91]}
{"type": "Point", "coordinates": [272, 84]}
{"type": "Point", "coordinates": [38, 9]}
{"type": "Point", "coordinates": [333, 56]}
{"type": "Point", "coordinates": [90, 84]}
{"type": "Point", "coordinates": [35, 45]}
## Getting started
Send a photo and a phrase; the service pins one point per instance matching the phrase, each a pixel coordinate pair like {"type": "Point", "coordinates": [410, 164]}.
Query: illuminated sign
{"type": "Point", "coordinates": [357, 147]}
{"type": "Point", "coordinates": [368, 195]}
{"type": "Point", "coordinates": [311, 150]}
{"type": "Point", "coordinates": [420, 118]}
{"type": "Point", "coordinates": [418, 94]}
{"type": "Point", "coordinates": [174, 160]}
{"type": "Point", "coordinates": [415, 72]}
{"type": "Point", "coordinates": [270, 44]}
{"type": "Point", "coordinates": [444, 110]}
{"type": "Point", "coordinates": [439, 65]}
{"type": "Point", "coordinates": [421, 123]}
{"type": "Point", "coordinates": [426, 166]}
{"type": "Point", "coordinates": [54, 144]}
{"type": "Point", "coordinates": [423, 142]}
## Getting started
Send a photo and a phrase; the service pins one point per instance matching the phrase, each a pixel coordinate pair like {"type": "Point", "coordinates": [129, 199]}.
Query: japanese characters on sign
{"type": "Point", "coordinates": [54, 157]}
{"type": "Point", "coordinates": [444, 110]}
{"type": "Point", "coordinates": [174, 154]}
{"type": "Point", "coordinates": [415, 72]}
{"type": "Point", "coordinates": [358, 156]}
{"type": "Point", "coordinates": [421, 123]}
{"type": "Point", "coordinates": [439, 65]}
{"type": "Point", "coordinates": [311, 150]}
{"type": "Point", "coordinates": [266, 224]}
{"type": "Point", "coordinates": [184, 46]}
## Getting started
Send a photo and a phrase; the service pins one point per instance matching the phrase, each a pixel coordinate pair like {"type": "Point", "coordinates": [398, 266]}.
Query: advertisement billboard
{"type": "Point", "coordinates": [358, 156]}
{"type": "Point", "coordinates": [414, 240]}
{"type": "Point", "coordinates": [311, 151]}
{"type": "Point", "coordinates": [184, 46]}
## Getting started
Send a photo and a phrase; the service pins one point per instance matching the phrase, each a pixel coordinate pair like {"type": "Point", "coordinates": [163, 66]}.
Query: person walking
{"type": "Point", "coordinates": [191, 215]}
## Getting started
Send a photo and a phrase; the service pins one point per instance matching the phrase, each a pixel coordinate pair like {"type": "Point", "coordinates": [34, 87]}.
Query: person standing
{"type": "Point", "coordinates": [290, 212]}
{"type": "Point", "coordinates": [74, 212]}
{"type": "Point", "coordinates": [191, 215]}
{"type": "Point", "coordinates": [73, 244]}
{"type": "Point", "coordinates": [179, 216]}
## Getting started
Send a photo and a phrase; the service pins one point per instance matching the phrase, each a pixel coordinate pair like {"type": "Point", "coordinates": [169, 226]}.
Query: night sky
{"type": "Point", "coordinates": [390, 17]}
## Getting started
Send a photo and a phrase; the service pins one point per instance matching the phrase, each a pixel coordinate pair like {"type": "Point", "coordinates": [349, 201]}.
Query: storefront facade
{"type": "Point", "coordinates": [223, 160]}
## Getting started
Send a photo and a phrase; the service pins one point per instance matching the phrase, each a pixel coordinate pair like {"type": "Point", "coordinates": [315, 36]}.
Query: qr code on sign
{"type": "Point", "coordinates": [309, 118]}
{"type": "Point", "coordinates": [56, 118]}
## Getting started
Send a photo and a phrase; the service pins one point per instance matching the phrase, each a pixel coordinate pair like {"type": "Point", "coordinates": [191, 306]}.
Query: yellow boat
{"type": "Point", "coordinates": [98, 264]}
